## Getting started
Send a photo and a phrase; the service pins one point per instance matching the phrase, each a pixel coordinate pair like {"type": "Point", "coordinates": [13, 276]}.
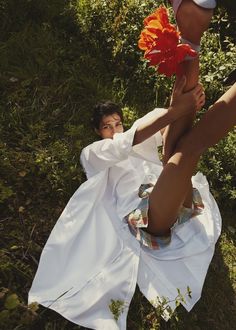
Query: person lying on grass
{"type": "Point", "coordinates": [136, 220]}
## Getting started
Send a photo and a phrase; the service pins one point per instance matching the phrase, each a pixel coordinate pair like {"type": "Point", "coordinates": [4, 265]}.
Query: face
{"type": "Point", "coordinates": [110, 125]}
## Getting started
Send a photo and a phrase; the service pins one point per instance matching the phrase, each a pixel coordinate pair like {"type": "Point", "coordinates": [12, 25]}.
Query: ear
{"type": "Point", "coordinates": [97, 131]}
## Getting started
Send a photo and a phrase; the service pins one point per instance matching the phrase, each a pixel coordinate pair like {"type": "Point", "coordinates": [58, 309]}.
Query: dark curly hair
{"type": "Point", "coordinates": [105, 108]}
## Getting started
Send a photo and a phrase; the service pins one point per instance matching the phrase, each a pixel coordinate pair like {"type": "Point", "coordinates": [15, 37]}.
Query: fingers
{"type": "Point", "coordinates": [186, 102]}
{"type": "Point", "coordinates": [199, 95]}
{"type": "Point", "coordinates": [200, 103]}
{"type": "Point", "coordinates": [198, 90]}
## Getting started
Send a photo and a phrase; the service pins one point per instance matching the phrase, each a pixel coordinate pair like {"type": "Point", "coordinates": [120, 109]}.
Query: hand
{"type": "Point", "coordinates": [183, 103]}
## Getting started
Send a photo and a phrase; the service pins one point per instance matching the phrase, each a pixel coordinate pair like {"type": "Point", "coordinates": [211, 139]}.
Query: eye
{"type": "Point", "coordinates": [119, 124]}
{"type": "Point", "coordinates": [106, 127]}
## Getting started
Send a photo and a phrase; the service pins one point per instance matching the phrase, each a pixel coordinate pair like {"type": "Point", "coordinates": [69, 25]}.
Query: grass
{"type": "Point", "coordinates": [47, 69]}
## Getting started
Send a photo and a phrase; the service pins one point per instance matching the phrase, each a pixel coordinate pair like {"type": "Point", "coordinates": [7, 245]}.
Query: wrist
{"type": "Point", "coordinates": [172, 113]}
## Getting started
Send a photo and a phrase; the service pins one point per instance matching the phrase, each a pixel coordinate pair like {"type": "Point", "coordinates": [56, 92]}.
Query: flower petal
{"type": "Point", "coordinates": [184, 50]}
{"type": "Point", "coordinates": [167, 40]}
{"type": "Point", "coordinates": [168, 68]}
{"type": "Point", "coordinates": [154, 57]}
{"type": "Point", "coordinates": [162, 16]}
{"type": "Point", "coordinates": [146, 41]}
{"type": "Point", "coordinates": [160, 41]}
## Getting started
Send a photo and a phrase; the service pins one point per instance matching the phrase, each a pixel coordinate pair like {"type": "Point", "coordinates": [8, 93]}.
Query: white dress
{"type": "Point", "coordinates": [91, 257]}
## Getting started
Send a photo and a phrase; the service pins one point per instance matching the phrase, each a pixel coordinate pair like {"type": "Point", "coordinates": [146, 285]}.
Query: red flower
{"type": "Point", "coordinates": [160, 40]}
{"type": "Point", "coordinates": [158, 19]}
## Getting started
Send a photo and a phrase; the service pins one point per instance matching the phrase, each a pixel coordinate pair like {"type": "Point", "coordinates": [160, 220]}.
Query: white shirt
{"type": "Point", "coordinates": [92, 258]}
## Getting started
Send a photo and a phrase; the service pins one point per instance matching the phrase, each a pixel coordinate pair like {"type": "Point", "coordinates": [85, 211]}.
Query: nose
{"type": "Point", "coordinates": [115, 129]}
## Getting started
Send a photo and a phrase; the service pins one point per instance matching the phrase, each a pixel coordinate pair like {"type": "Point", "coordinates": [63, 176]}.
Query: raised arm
{"type": "Point", "coordinates": [182, 104]}
{"type": "Point", "coordinates": [109, 151]}
{"type": "Point", "coordinates": [105, 153]}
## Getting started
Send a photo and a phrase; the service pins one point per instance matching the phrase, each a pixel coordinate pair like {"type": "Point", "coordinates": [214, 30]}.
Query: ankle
{"type": "Point", "coordinates": [194, 46]}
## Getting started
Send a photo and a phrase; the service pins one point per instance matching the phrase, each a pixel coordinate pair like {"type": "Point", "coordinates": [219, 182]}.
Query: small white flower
{"type": "Point", "coordinates": [13, 79]}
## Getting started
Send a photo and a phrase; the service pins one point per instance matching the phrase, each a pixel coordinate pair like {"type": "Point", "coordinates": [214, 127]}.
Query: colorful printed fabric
{"type": "Point", "coordinates": [138, 218]}
{"type": "Point", "coordinates": [187, 213]}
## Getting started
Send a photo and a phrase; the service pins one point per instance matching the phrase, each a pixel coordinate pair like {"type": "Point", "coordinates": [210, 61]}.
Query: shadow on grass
{"type": "Point", "coordinates": [217, 307]}
{"type": "Point", "coordinates": [215, 310]}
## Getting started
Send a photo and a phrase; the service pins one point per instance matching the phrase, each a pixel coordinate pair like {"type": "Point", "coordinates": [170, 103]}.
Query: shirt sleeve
{"type": "Point", "coordinates": [105, 153]}
{"type": "Point", "coordinates": [147, 150]}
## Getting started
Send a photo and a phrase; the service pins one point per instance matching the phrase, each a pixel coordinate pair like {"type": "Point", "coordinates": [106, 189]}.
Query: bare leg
{"type": "Point", "coordinates": [174, 131]}
{"type": "Point", "coordinates": [172, 186]}
{"type": "Point", "coordinates": [192, 22]}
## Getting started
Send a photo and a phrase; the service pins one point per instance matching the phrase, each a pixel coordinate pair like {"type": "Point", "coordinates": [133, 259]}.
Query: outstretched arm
{"type": "Point", "coordinates": [182, 105]}
{"type": "Point", "coordinates": [107, 152]}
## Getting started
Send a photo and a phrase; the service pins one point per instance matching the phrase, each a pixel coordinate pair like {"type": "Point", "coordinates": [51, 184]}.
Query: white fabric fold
{"type": "Point", "coordinates": [91, 258]}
